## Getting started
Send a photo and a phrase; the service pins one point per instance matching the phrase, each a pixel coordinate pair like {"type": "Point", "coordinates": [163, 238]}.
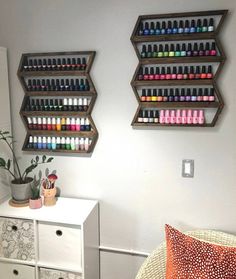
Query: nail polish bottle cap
{"type": "Point", "coordinates": [163, 70]}
{"type": "Point", "coordinates": [39, 120]}
{"type": "Point", "coordinates": [178, 113]}
{"type": "Point", "coordinates": [44, 120]}
{"type": "Point", "coordinates": [166, 48]}
{"type": "Point", "coordinates": [195, 47]}
{"type": "Point", "coordinates": [184, 113]}
{"type": "Point", "coordinates": [77, 121]}
{"type": "Point", "coordinates": [211, 22]}
{"type": "Point", "coordinates": [72, 121]}
{"type": "Point", "coordinates": [160, 48]}
{"type": "Point", "coordinates": [149, 48]}
{"type": "Point", "coordinates": [177, 47]}
{"type": "Point", "coordinates": [49, 62]}
{"type": "Point", "coordinates": [68, 61]}
{"type": "Point", "coordinates": [39, 139]}
{"type": "Point", "coordinates": [200, 92]}
{"type": "Point", "coordinates": [143, 92]}
{"type": "Point", "coordinates": [171, 92]}
{"type": "Point", "coordinates": [35, 62]}
{"type": "Point", "coordinates": [195, 113]}
{"type": "Point", "coordinates": [63, 61]}
{"type": "Point", "coordinates": [209, 69]}
{"type": "Point", "coordinates": [58, 121]}
{"type": "Point", "coordinates": [211, 92]}
{"type": "Point", "coordinates": [57, 82]}
{"type": "Point", "coordinates": [151, 115]}
{"type": "Point", "coordinates": [174, 70]}
{"type": "Point", "coordinates": [169, 24]}
{"type": "Point", "coordinates": [190, 112]}
{"type": "Point", "coordinates": [38, 82]}
{"type": "Point", "coordinates": [49, 120]}
{"type": "Point", "coordinates": [203, 69]}
{"type": "Point", "coordinates": [76, 140]}
{"type": "Point", "coordinates": [163, 25]}
{"type": "Point", "coordinates": [157, 70]}
{"type": "Point", "coordinates": [81, 140]}
{"type": "Point", "coordinates": [62, 82]}
{"type": "Point", "coordinates": [49, 140]}
{"type": "Point", "coordinates": [192, 23]}
{"type": "Point", "coordinates": [207, 47]}
{"type": "Point", "coordinates": [82, 122]}
{"type": "Point", "coordinates": [155, 48]}
{"type": "Point", "coordinates": [189, 47]}
{"type": "Point", "coordinates": [80, 101]}
{"type": "Point", "coordinates": [29, 120]}
{"type": "Point", "coordinates": [68, 121]}
{"type": "Point", "coordinates": [201, 47]}
{"type": "Point", "coordinates": [175, 24]}
{"type": "Point", "coordinates": [183, 47]}
{"type": "Point", "coordinates": [75, 102]}
{"type": "Point", "coordinates": [44, 62]}
{"type": "Point", "coordinates": [157, 25]}
{"type": "Point", "coordinates": [146, 71]}
{"type": "Point", "coordinates": [168, 71]}
{"type": "Point", "coordinates": [70, 101]}
{"type": "Point", "coordinates": [185, 69]}
{"type": "Point", "coordinates": [186, 23]}
{"type": "Point", "coordinates": [177, 92]}
{"type": "Point", "coordinates": [54, 62]}
{"type": "Point", "coordinates": [172, 47]}
{"type": "Point", "coordinates": [205, 22]}
{"type": "Point", "coordinates": [152, 25]}
{"type": "Point", "coordinates": [156, 114]}
{"type": "Point", "coordinates": [65, 102]}
{"type": "Point", "coordinates": [53, 120]}
{"type": "Point", "coordinates": [146, 24]}
{"type": "Point", "coordinates": [44, 140]}
{"type": "Point", "coordinates": [87, 121]}
{"type": "Point", "coordinates": [30, 139]}
{"type": "Point", "coordinates": [194, 92]}
{"type": "Point", "coordinates": [67, 140]}
{"type": "Point", "coordinates": [63, 140]}
{"type": "Point", "coordinates": [191, 71]}
{"type": "Point", "coordinates": [182, 93]}
{"type": "Point", "coordinates": [53, 140]}
{"type": "Point", "coordinates": [149, 94]}
{"type": "Point", "coordinates": [180, 70]}
{"type": "Point", "coordinates": [67, 82]}
{"type": "Point", "coordinates": [58, 140]}
{"type": "Point", "coordinates": [172, 113]}
{"type": "Point", "coordinates": [146, 113]}
{"type": "Point", "coordinates": [167, 112]}
{"type": "Point", "coordinates": [197, 70]}
{"type": "Point", "coordinates": [201, 113]}
{"type": "Point", "coordinates": [188, 92]}
{"type": "Point", "coordinates": [159, 94]}
{"type": "Point", "coordinates": [72, 141]}
{"type": "Point", "coordinates": [181, 24]}
{"type": "Point", "coordinates": [34, 120]}
{"type": "Point", "coordinates": [35, 139]}
{"type": "Point", "coordinates": [199, 23]}
{"type": "Point", "coordinates": [151, 71]}
{"type": "Point", "coordinates": [165, 92]}
{"type": "Point", "coordinates": [162, 112]}
{"type": "Point", "coordinates": [213, 46]}
{"type": "Point", "coordinates": [144, 49]}
{"type": "Point", "coordinates": [86, 140]}
{"type": "Point", "coordinates": [154, 92]}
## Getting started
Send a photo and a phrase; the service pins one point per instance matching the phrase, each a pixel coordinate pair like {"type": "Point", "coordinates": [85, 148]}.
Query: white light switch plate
{"type": "Point", "coordinates": [187, 168]}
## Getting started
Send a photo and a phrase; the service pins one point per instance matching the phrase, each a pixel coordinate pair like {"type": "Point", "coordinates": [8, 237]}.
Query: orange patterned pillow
{"type": "Point", "coordinates": [190, 258]}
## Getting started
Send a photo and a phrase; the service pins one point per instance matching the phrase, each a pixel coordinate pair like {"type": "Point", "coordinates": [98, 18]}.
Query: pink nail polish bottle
{"type": "Point", "coordinates": [184, 116]}
{"type": "Point", "coordinates": [172, 117]}
{"type": "Point", "coordinates": [189, 117]}
{"type": "Point", "coordinates": [178, 117]}
{"type": "Point", "coordinates": [195, 117]}
{"type": "Point", "coordinates": [162, 116]}
{"type": "Point", "coordinates": [201, 117]}
{"type": "Point", "coordinates": [167, 116]}
{"type": "Point", "coordinates": [77, 124]}
{"type": "Point", "coordinates": [72, 123]}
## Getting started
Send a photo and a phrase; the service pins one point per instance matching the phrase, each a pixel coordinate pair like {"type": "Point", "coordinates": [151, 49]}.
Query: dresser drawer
{"type": "Point", "coordinates": [60, 245]}
{"type": "Point", "coordinates": [45, 273]}
{"type": "Point", "coordinates": [17, 239]}
{"type": "Point", "coordinates": [16, 271]}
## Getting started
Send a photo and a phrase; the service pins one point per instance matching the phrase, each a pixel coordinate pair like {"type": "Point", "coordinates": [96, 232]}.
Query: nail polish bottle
{"type": "Point", "coordinates": [189, 116]}
{"type": "Point", "coordinates": [30, 66]}
{"type": "Point", "coordinates": [155, 52]}
{"type": "Point", "coordinates": [28, 106]}
{"type": "Point", "coordinates": [211, 95]}
{"type": "Point", "coordinates": [203, 73]}
{"type": "Point", "coordinates": [49, 65]}
{"type": "Point", "coordinates": [145, 116]}
{"type": "Point", "coordinates": [73, 64]}
{"type": "Point", "coordinates": [159, 96]}
{"type": "Point", "coordinates": [70, 104]}
{"type": "Point", "coordinates": [77, 85]}
{"type": "Point", "coordinates": [158, 28]}
{"type": "Point", "coordinates": [39, 125]}
{"type": "Point", "coordinates": [201, 117]}
{"type": "Point", "coordinates": [201, 50]}
{"type": "Point", "coordinates": [195, 117]}
{"type": "Point", "coordinates": [54, 64]}
{"type": "Point", "coordinates": [62, 85]}
{"type": "Point", "coordinates": [165, 95]}
{"type": "Point", "coordinates": [169, 27]}
{"type": "Point", "coordinates": [146, 29]}
{"type": "Point", "coordinates": [152, 28]}
{"type": "Point", "coordinates": [177, 50]}
{"type": "Point", "coordinates": [149, 96]}
{"type": "Point", "coordinates": [30, 143]}
{"type": "Point", "coordinates": [188, 95]}
{"type": "Point", "coordinates": [205, 25]}
{"type": "Point", "coordinates": [67, 85]}
{"type": "Point", "coordinates": [186, 27]}
{"type": "Point", "coordinates": [56, 105]}
{"type": "Point", "coordinates": [39, 143]}
{"type": "Point", "coordinates": [141, 28]}
{"type": "Point", "coordinates": [157, 74]}
{"type": "Point", "coordinates": [76, 144]}
{"type": "Point", "coordinates": [29, 121]}
{"type": "Point", "coordinates": [211, 25]}
{"type": "Point", "coordinates": [163, 28]}
{"type": "Point", "coordinates": [160, 51]}
{"type": "Point", "coordinates": [140, 74]}
{"type": "Point", "coordinates": [149, 51]}
{"type": "Point", "coordinates": [42, 105]}
{"type": "Point", "coordinates": [182, 95]}
{"type": "Point", "coordinates": [35, 124]}
{"type": "Point", "coordinates": [58, 143]}
{"type": "Point", "coordinates": [213, 49]}
{"type": "Point", "coordinates": [63, 64]}
{"type": "Point", "coordinates": [200, 95]}
{"type": "Point", "coordinates": [146, 73]}
{"type": "Point", "coordinates": [189, 51]}
{"type": "Point", "coordinates": [191, 74]}
{"type": "Point", "coordinates": [178, 118]}
{"type": "Point", "coordinates": [168, 73]}
{"type": "Point", "coordinates": [63, 143]}
{"type": "Point", "coordinates": [63, 124]}
{"type": "Point", "coordinates": [162, 116]}
{"type": "Point", "coordinates": [197, 73]}
{"type": "Point", "coordinates": [207, 49]}
{"type": "Point", "coordinates": [180, 73]}
{"type": "Point", "coordinates": [72, 124]}
{"type": "Point", "coordinates": [26, 65]}
{"type": "Point", "coordinates": [194, 95]}
{"type": "Point", "coordinates": [162, 75]}
{"type": "Point", "coordinates": [44, 65]}
{"type": "Point", "coordinates": [199, 26]}
{"type": "Point", "coordinates": [51, 86]}
{"type": "Point", "coordinates": [176, 95]}
{"type": "Point", "coordinates": [185, 74]}
{"type": "Point", "coordinates": [65, 104]}
{"type": "Point", "coordinates": [156, 116]}
{"type": "Point", "coordinates": [143, 53]}
{"type": "Point", "coordinates": [85, 104]}
{"type": "Point", "coordinates": [193, 26]}
{"type": "Point", "coordinates": [171, 95]}
{"type": "Point", "coordinates": [72, 143]}
{"type": "Point", "coordinates": [81, 143]}
{"type": "Point", "coordinates": [167, 116]}
{"type": "Point", "coordinates": [75, 104]}
{"type": "Point", "coordinates": [175, 27]}
{"type": "Point", "coordinates": [140, 117]}
{"type": "Point", "coordinates": [68, 146]}
{"type": "Point", "coordinates": [78, 64]}
{"type": "Point", "coordinates": [84, 64]}
{"type": "Point", "coordinates": [77, 124]}
{"type": "Point", "coordinates": [51, 105]}
{"type": "Point", "coordinates": [166, 51]}
{"type": "Point", "coordinates": [172, 117]}
{"type": "Point", "coordinates": [151, 117]}
{"type": "Point", "coordinates": [195, 50]}
{"type": "Point", "coordinates": [206, 95]}
{"type": "Point", "coordinates": [29, 85]}
{"type": "Point", "coordinates": [35, 65]}
{"type": "Point", "coordinates": [82, 124]}
{"type": "Point", "coordinates": [35, 142]}
{"type": "Point", "coordinates": [183, 51]}
{"type": "Point", "coordinates": [54, 145]}
{"type": "Point", "coordinates": [58, 125]}
{"type": "Point", "coordinates": [38, 85]}
{"type": "Point", "coordinates": [44, 123]}
{"type": "Point", "coordinates": [154, 95]}
{"type": "Point", "coordinates": [80, 106]}
{"type": "Point", "coordinates": [54, 124]}
{"type": "Point", "coordinates": [57, 84]}
{"type": "Point", "coordinates": [174, 73]}
{"type": "Point", "coordinates": [151, 74]}
{"type": "Point", "coordinates": [181, 27]}
{"type": "Point", "coordinates": [68, 124]}
{"type": "Point", "coordinates": [49, 124]}
{"type": "Point", "coordinates": [184, 116]}
{"type": "Point", "coordinates": [68, 64]}
{"type": "Point", "coordinates": [172, 50]}
{"type": "Point", "coordinates": [82, 85]}
{"type": "Point", "coordinates": [49, 143]}
{"type": "Point", "coordinates": [87, 125]}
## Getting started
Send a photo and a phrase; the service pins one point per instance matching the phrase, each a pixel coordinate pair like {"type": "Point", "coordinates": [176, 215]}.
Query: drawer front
{"type": "Point", "coordinates": [57, 274]}
{"type": "Point", "coordinates": [60, 245]}
{"type": "Point", "coordinates": [16, 271]}
{"type": "Point", "coordinates": [17, 239]}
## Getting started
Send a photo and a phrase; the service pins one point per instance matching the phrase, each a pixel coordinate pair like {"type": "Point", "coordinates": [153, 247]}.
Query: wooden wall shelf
{"type": "Point", "coordinates": [62, 66]}
{"type": "Point", "coordinates": [148, 34]}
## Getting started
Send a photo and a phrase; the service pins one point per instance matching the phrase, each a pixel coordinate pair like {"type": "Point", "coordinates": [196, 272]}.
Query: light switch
{"type": "Point", "coordinates": [187, 168]}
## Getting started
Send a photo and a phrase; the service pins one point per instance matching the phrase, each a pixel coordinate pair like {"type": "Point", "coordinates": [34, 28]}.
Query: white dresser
{"type": "Point", "coordinates": [57, 242]}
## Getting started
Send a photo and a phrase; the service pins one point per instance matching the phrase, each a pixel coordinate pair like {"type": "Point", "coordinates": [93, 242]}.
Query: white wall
{"type": "Point", "coordinates": [136, 174]}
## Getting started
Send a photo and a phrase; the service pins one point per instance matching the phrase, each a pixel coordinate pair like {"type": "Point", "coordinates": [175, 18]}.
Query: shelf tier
{"type": "Point", "coordinates": [170, 60]}
{"type": "Point", "coordinates": [52, 73]}
{"type": "Point", "coordinates": [172, 82]}
{"type": "Point", "coordinates": [180, 104]}
{"type": "Point", "coordinates": [56, 113]}
{"type": "Point", "coordinates": [62, 93]}
{"type": "Point", "coordinates": [171, 125]}
{"type": "Point", "coordinates": [88, 134]}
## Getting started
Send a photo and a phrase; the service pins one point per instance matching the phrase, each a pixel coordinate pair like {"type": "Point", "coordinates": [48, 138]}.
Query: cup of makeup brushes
{"type": "Point", "coordinates": [49, 190]}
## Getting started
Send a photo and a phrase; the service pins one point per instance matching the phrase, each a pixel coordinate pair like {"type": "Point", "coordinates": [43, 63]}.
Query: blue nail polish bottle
{"type": "Point", "coordinates": [35, 143]}
{"type": "Point", "coordinates": [175, 27]}
{"type": "Point", "coordinates": [49, 144]}
{"type": "Point", "coordinates": [81, 86]}
{"type": "Point", "coordinates": [186, 27]}
{"type": "Point", "coordinates": [152, 29]}
{"type": "Point", "coordinates": [181, 27]}
{"type": "Point", "coordinates": [44, 144]}
{"type": "Point", "coordinates": [39, 143]}
{"type": "Point", "coordinates": [146, 29]}
{"type": "Point", "coordinates": [192, 28]}
{"type": "Point", "coordinates": [158, 29]}
{"type": "Point", "coordinates": [169, 28]}
{"type": "Point", "coordinates": [163, 28]}
{"type": "Point", "coordinates": [54, 146]}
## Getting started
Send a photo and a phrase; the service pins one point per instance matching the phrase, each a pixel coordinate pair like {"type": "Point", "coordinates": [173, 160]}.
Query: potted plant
{"type": "Point", "coordinates": [35, 200]}
{"type": "Point", "coordinates": [21, 182]}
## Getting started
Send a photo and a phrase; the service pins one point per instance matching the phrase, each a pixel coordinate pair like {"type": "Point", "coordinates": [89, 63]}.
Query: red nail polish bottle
{"type": "Point", "coordinates": [174, 73]}
{"type": "Point", "coordinates": [146, 73]}
{"type": "Point", "coordinates": [209, 73]}
{"type": "Point", "coordinates": [185, 74]}
{"type": "Point", "coordinates": [191, 74]}
{"type": "Point", "coordinates": [157, 74]}
{"type": "Point", "coordinates": [35, 124]}
{"type": "Point", "coordinates": [197, 73]}
{"type": "Point", "coordinates": [163, 75]}
{"type": "Point", "coordinates": [30, 125]}
{"type": "Point", "coordinates": [140, 74]}
{"type": "Point", "coordinates": [49, 124]}
{"type": "Point", "coordinates": [180, 73]}
{"type": "Point", "coordinates": [54, 124]}
{"type": "Point", "coordinates": [213, 49]}
{"type": "Point", "coordinates": [207, 49]}
{"type": "Point", "coordinates": [168, 73]}
{"type": "Point", "coordinates": [151, 74]}
{"type": "Point", "coordinates": [39, 126]}
{"type": "Point", "coordinates": [203, 73]}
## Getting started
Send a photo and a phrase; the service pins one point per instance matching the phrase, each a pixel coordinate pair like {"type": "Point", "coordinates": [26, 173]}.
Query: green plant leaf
{"type": "Point", "coordinates": [30, 169]}
{"type": "Point", "coordinates": [2, 163]}
{"type": "Point", "coordinates": [8, 164]}
{"type": "Point", "coordinates": [50, 159]}
{"type": "Point", "coordinates": [5, 132]}
{"type": "Point", "coordinates": [37, 159]}
{"type": "Point", "coordinates": [44, 158]}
